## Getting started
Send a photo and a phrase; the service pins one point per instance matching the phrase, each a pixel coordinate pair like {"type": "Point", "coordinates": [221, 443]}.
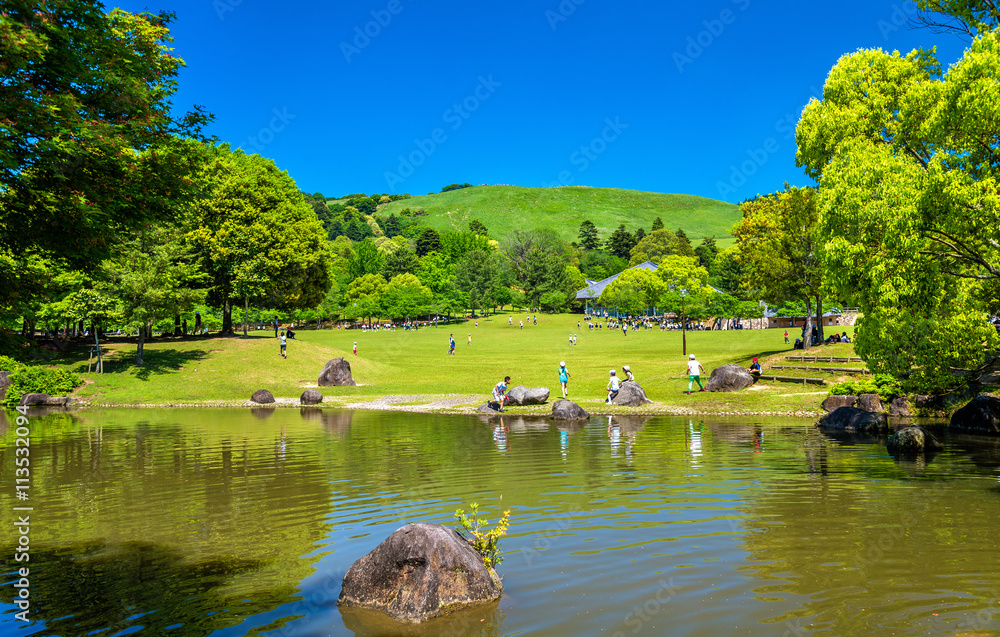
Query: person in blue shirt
{"type": "Point", "coordinates": [754, 366]}
{"type": "Point", "coordinates": [500, 393]}
{"type": "Point", "coordinates": [564, 378]}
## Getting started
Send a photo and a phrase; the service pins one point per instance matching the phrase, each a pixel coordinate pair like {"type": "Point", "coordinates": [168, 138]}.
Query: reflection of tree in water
{"type": "Point", "coordinates": [368, 623]}
{"type": "Point", "coordinates": [103, 587]}
{"type": "Point", "coordinates": [845, 535]}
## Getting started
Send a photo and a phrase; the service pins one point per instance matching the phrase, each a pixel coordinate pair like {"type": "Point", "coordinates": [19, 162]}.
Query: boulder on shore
{"type": "Point", "coordinates": [564, 409]}
{"type": "Point", "coordinates": [980, 416]}
{"type": "Point", "coordinates": [521, 396]}
{"type": "Point", "coordinates": [336, 373]}
{"type": "Point", "coordinates": [44, 400]}
{"type": "Point", "coordinates": [870, 402]}
{"type": "Point", "coordinates": [912, 440]}
{"type": "Point", "coordinates": [311, 397]}
{"type": "Point", "coordinates": [4, 384]}
{"type": "Point", "coordinates": [262, 397]}
{"type": "Point", "coordinates": [419, 572]}
{"type": "Point", "coordinates": [486, 409]}
{"type": "Point", "coordinates": [631, 394]}
{"type": "Point", "coordinates": [833, 403]}
{"type": "Point", "coordinates": [854, 420]}
{"type": "Point", "coordinates": [899, 407]}
{"type": "Point", "coordinates": [729, 378]}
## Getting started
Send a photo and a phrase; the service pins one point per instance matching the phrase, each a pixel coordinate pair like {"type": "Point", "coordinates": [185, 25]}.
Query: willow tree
{"type": "Point", "coordinates": [257, 238]}
{"type": "Point", "coordinates": [908, 161]}
{"type": "Point", "coordinates": [778, 247]}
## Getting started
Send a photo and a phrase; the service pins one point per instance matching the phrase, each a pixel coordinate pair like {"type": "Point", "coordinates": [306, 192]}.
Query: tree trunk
{"type": "Point", "coordinates": [807, 326]}
{"type": "Point", "coordinates": [100, 359]}
{"type": "Point", "coordinates": [819, 315]}
{"type": "Point", "coordinates": [227, 317]}
{"type": "Point", "coordinates": [246, 314]}
{"type": "Point", "coordinates": [139, 347]}
{"type": "Point", "coordinates": [177, 324]}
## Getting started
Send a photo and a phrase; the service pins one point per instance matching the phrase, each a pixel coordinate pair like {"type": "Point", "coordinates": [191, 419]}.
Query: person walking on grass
{"type": "Point", "coordinates": [564, 378]}
{"type": "Point", "coordinates": [786, 337]}
{"type": "Point", "coordinates": [451, 344]}
{"type": "Point", "coordinates": [694, 374]}
{"type": "Point", "coordinates": [614, 384]}
{"type": "Point", "coordinates": [521, 324]}
{"type": "Point", "coordinates": [355, 348]}
{"type": "Point", "coordinates": [470, 340]}
{"type": "Point", "coordinates": [284, 344]}
{"type": "Point", "coordinates": [510, 321]}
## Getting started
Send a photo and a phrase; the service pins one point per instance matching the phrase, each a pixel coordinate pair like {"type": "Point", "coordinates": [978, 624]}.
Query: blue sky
{"type": "Point", "coordinates": [411, 95]}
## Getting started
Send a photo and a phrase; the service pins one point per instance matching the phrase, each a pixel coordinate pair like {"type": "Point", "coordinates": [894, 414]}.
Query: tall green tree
{"type": "Point", "coordinates": [367, 259]}
{"type": "Point", "coordinates": [653, 247]}
{"type": "Point", "coordinates": [621, 242]}
{"type": "Point", "coordinates": [906, 157]}
{"type": "Point", "coordinates": [778, 240]}
{"type": "Point", "coordinates": [152, 278]}
{"type": "Point", "coordinates": [428, 241]}
{"type": "Point", "coordinates": [657, 225]}
{"type": "Point", "coordinates": [480, 274]}
{"type": "Point", "coordinates": [257, 238]}
{"type": "Point", "coordinates": [405, 297]}
{"type": "Point", "coordinates": [90, 150]}
{"type": "Point", "coordinates": [588, 236]}
{"type": "Point", "coordinates": [476, 227]}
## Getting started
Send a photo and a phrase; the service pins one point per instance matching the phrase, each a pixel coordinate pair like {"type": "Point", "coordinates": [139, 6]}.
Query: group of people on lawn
{"type": "Point", "coordinates": [500, 397]}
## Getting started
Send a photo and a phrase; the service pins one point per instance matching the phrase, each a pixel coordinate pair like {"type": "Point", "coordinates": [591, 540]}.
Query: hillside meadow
{"type": "Point", "coordinates": [416, 363]}
{"type": "Point", "coordinates": [505, 208]}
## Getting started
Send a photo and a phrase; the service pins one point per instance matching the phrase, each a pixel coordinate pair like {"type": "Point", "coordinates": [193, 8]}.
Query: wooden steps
{"type": "Point", "coordinates": [832, 370]}
{"type": "Point", "coordinates": [825, 359]}
{"type": "Point", "coordinates": [792, 379]}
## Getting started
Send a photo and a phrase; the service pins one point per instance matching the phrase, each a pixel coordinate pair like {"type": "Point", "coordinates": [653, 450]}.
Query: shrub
{"type": "Point", "coordinates": [486, 543]}
{"type": "Point", "coordinates": [885, 385]}
{"type": "Point", "coordinates": [40, 380]}
{"type": "Point", "coordinates": [8, 364]}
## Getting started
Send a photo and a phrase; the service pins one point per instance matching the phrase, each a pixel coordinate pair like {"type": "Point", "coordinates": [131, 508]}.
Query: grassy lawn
{"type": "Point", "coordinates": [407, 363]}
{"type": "Point", "coordinates": [504, 208]}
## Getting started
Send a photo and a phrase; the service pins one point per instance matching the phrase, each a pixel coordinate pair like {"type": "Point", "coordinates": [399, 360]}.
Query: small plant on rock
{"type": "Point", "coordinates": [486, 543]}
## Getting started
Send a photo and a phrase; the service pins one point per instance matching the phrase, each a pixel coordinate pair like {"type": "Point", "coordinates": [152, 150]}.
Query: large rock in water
{"type": "Point", "coordinates": [980, 416]}
{"type": "Point", "coordinates": [522, 396]}
{"type": "Point", "coordinates": [631, 394]}
{"type": "Point", "coordinates": [729, 378]}
{"type": "Point", "coordinates": [262, 397]}
{"type": "Point", "coordinates": [833, 403]}
{"type": "Point", "coordinates": [420, 572]}
{"type": "Point", "coordinates": [854, 420]}
{"type": "Point", "coordinates": [311, 397]}
{"type": "Point", "coordinates": [912, 440]}
{"type": "Point", "coordinates": [564, 409]}
{"type": "Point", "coordinates": [336, 373]}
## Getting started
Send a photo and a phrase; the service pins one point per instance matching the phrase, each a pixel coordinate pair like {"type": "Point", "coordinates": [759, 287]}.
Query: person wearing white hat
{"type": "Point", "coordinates": [628, 374]}
{"type": "Point", "coordinates": [614, 384]}
{"type": "Point", "coordinates": [564, 378]}
{"type": "Point", "coordinates": [694, 374]}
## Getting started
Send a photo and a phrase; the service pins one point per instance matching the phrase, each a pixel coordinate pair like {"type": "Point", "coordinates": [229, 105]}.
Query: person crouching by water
{"type": "Point", "coordinates": [500, 393]}
{"type": "Point", "coordinates": [614, 384]}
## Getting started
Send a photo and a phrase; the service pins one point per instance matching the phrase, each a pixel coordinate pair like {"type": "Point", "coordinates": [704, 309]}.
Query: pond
{"type": "Point", "coordinates": [239, 522]}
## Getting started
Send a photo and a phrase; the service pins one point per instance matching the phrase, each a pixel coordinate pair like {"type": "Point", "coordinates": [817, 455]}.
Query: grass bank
{"type": "Point", "coordinates": [417, 367]}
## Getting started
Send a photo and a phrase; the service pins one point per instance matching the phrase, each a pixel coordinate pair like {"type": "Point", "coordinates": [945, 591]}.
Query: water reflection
{"type": "Point", "coordinates": [214, 521]}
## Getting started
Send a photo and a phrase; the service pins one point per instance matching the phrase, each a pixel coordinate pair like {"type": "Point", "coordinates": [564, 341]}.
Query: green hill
{"type": "Point", "coordinates": [505, 208]}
